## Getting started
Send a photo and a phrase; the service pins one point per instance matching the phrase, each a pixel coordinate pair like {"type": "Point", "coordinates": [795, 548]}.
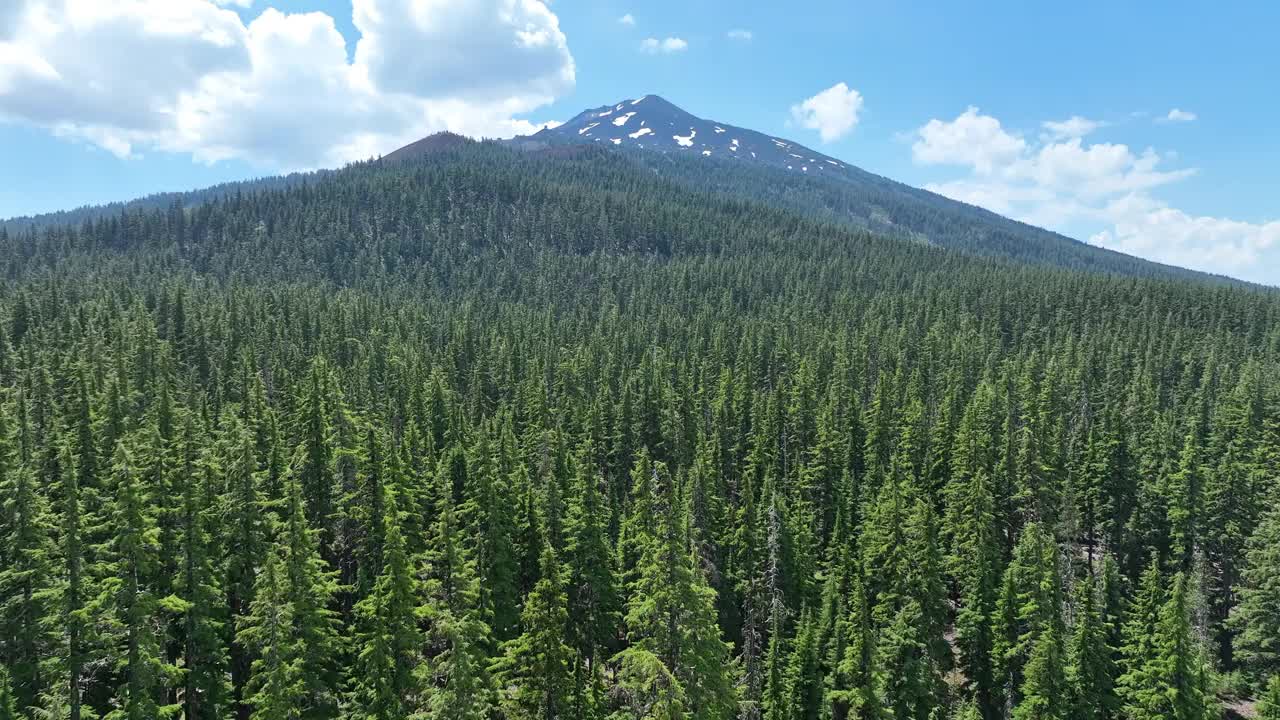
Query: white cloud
{"type": "Point", "coordinates": [481, 50]}
{"type": "Point", "coordinates": [1102, 191]}
{"type": "Point", "coordinates": [832, 112]}
{"type": "Point", "coordinates": [238, 3]}
{"type": "Point", "coordinates": [1149, 228]}
{"type": "Point", "coordinates": [628, 20]}
{"type": "Point", "coordinates": [1179, 116]}
{"type": "Point", "coordinates": [653, 46]}
{"type": "Point", "coordinates": [971, 139]}
{"type": "Point", "coordinates": [190, 76]}
{"type": "Point", "coordinates": [740, 34]}
{"type": "Point", "coordinates": [1073, 127]}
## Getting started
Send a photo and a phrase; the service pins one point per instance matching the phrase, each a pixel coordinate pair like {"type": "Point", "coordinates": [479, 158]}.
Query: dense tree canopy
{"type": "Point", "coordinates": [544, 436]}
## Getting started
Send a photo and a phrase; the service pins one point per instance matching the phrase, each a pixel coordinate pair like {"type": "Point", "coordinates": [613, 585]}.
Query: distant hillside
{"type": "Point", "coordinates": [719, 156]}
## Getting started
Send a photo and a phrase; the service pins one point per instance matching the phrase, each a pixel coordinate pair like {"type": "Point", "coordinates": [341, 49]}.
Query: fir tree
{"type": "Point", "coordinates": [909, 684]}
{"type": "Point", "coordinates": [672, 614]}
{"type": "Point", "coordinates": [8, 706]}
{"type": "Point", "coordinates": [536, 670]}
{"type": "Point", "coordinates": [26, 589]}
{"type": "Point", "coordinates": [1140, 653]}
{"type": "Point", "coordinates": [388, 640]}
{"type": "Point", "coordinates": [1044, 687]}
{"type": "Point", "coordinates": [200, 600]}
{"type": "Point", "coordinates": [1269, 703]}
{"type": "Point", "coordinates": [1090, 668]}
{"type": "Point", "coordinates": [276, 689]}
{"type": "Point", "coordinates": [804, 682]}
{"type": "Point", "coordinates": [594, 607]}
{"type": "Point", "coordinates": [298, 661]}
{"type": "Point", "coordinates": [1256, 619]}
{"type": "Point", "coordinates": [454, 673]}
{"type": "Point", "coordinates": [127, 593]}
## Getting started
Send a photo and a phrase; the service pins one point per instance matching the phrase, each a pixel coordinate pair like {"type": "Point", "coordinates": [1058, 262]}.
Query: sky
{"type": "Point", "coordinates": [1145, 127]}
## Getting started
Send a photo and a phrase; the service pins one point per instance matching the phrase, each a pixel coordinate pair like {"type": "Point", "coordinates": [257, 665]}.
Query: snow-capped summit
{"type": "Point", "coordinates": [652, 123]}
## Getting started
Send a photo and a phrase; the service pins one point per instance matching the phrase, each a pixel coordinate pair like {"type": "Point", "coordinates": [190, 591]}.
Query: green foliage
{"type": "Point", "coordinates": [535, 674]}
{"type": "Point", "coordinates": [546, 434]}
{"type": "Point", "coordinates": [388, 639]}
{"type": "Point", "coordinates": [1256, 618]}
{"type": "Point", "coordinates": [1269, 704]}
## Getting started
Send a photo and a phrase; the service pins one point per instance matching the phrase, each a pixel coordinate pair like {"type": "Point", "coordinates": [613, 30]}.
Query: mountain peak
{"type": "Point", "coordinates": [437, 142]}
{"type": "Point", "coordinates": [651, 122]}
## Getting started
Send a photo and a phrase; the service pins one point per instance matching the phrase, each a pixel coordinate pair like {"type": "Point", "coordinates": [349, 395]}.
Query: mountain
{"type": "Point", "coordinates": [653, 123]}
{"type": "Point", "coordinates": [706, 155]}
{"type": "Point", "coordinates": [702, 156]}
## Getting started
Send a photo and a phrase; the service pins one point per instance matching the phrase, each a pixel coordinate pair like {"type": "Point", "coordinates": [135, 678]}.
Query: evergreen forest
{"type": "Point", "coordinates": [504, 435]}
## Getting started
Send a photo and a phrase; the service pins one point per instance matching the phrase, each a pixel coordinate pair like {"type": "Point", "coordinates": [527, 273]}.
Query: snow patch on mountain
{"type": "Point", "coordinates": [646, 122]}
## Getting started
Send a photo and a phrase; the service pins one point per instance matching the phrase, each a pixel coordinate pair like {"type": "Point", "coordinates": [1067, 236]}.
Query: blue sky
{"type": "Point", "coordinates": [1058, 114]}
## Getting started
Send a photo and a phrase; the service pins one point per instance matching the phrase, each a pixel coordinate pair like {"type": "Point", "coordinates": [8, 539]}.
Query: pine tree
{"type": "Point", "coordinates": [276, 689]}
{"type": "Point", "coordinates": [909, 684]}
{"type": "Point", "coordinates": [1182, 665]}
{"type": "Point", "coordinates": [1044, 687]}
{"type": "Point", "coordinates": [387, 637]}
{"type": "Point", "coordinates": [804, 686]}
{"type": "Point", "coordinates": [200, 600]}
{"type": "Point", "coordinates": [536, 670]}
{"type": "Point", "coordinates": [74, 601]}
{"type": "Point", "coordinates": [298, 663]}
{"type": "Point", "coordinates": [973, 564]}
{"type": "Point", "coordinates": [1256, 618]}
{"type": "Point", "coordinates": [594, 607]}
{"type": "Point", "coordinates": [1091, 668]}
{"type": "Point", "coordinates": [495, 538]}
{"type": "Point", "coordinates": [645, 689]}
{"type": "Point", "coordinates": [455, 674]}
{"type": "Point", "coordinates": [1030, 604]}
{"type": "Point", "coordinates": [1140, 654]}
{"type": "Point", "coordinates": [244, 537]}
{"type": "Point", "coordinates": [671, 613]}
{"type": "Point", "coordinates": [1167, 678]}
{"type": "Point", "coordinates": [1269, 703]}
{"type": "Point", "coordinates": [369, 510]}
{"type": "Point", "coordinates": [29, 554]}
{"type": "Point", "coordinates": [852, 687]}
{"type": "Point", "coordinates": [127, 592]}
{"type": "Point", "coordinates": [315, 473]}
{"type": "Point", "coordinates": [8, 706]}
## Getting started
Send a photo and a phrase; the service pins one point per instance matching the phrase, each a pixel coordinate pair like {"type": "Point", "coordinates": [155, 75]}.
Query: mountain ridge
{"type": "Point", "coordinates": [785, 173]}
{"type": "Point", "coordinates": [703, 155]}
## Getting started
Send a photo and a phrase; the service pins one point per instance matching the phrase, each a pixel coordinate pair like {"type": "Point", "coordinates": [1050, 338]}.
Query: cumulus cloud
{"type": "Point", "coordinates": [971, 139]}
{"type": "Point", "coordinates": [1179, 116]}
{"type": "Point", "coordinates": [628, 20]}
{"type": "Point", "coordinates": [190, 76]}
{"type": "Point", "coordinates": [653, 46]}
{"type": "Point", "coordinates": [832, 112]}
{"type": "Point", "coordinates": [1103, 191]}
{"type": "Point", "coordinates": [1147, 227]}
{"type": "Point", "coordinates": [740, 34]}
{"type": "Point", "coordinates": [477, 50]}
{"type": "Point", "coordinates": [1073, 127]}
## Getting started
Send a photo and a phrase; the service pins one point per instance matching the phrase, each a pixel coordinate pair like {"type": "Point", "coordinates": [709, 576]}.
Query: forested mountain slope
{"type": "Point", "coordinates": [706, 154]}
{"type": "Point", "coordinates": [500, 434]}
